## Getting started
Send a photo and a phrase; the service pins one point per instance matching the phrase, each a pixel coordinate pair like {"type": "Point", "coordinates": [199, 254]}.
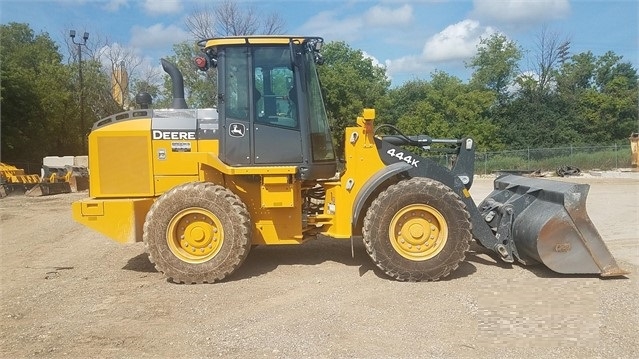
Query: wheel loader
{"type": "Point", "coordinates": [201, 187]}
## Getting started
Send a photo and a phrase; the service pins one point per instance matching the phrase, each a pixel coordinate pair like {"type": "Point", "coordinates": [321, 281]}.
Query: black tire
{"type": "Point", "coordinates": [197, 233]}
{"type": "Point", "coordinates": [417, 230]}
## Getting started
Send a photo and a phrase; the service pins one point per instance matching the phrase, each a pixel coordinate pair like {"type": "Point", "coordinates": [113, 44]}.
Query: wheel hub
{"type": "Point", "coordinates": [418, 232]}
{"type": "Point", "coordinates": [195, 235]}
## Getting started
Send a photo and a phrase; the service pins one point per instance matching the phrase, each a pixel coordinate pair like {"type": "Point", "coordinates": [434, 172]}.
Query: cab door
{"type": "Point", "coordinates": [277, 136]}
{"type": "Point", "coordinates": [235, 107]}
{"type": "Point", "coordinates": [259, 107]}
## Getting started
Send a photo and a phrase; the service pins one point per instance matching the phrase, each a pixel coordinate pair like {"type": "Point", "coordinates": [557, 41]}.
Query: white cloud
{"type": "Point", "coordinates": [518, 12]}
{"type": "Point", "coordinates": [333, 26]}
{"type": "Point", "coordinates": [157, 36]}
{"type": "Point", "coordinates": [374, 60]}
{"type": "Point", "coordinates": [157, 7]}
{"type": "Point", "coordinates": [326, 24]}
{"type": "Point", "coordinates": [408, 65]}
{"type": "Point", "coordinates": [452, 45]}
{"type": "Point", "coordinates": [115, 5]}
{"type": "Point", "coordinates": [386, 16]}
{"type": "Point", "coordinates": [456, 42]}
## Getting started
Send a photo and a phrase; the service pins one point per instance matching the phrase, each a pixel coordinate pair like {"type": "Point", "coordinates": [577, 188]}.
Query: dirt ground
{"type": "Point", "coordinates": [70, 292]}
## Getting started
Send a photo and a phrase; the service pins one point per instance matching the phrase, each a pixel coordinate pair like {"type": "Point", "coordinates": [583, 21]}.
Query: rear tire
{"type": "Point", "coordinates": [197, 232]}
{"type": "Point", "coordinates": [417, 230]}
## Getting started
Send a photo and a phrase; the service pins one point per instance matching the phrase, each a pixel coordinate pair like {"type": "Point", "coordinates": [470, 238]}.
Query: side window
{"type": "Point", "coordinates": [321, 140]}
{"type": "Point", "coordinates": [237, 99]}
{"type": "Point", "coordinates": [258, 81]}
{"type": "Point", "coordinates": [275, 95]}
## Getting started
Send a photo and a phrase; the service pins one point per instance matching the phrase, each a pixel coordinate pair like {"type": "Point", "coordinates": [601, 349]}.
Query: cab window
{"type": "Point", "coordinates": [237, 100]}
{"type": "Point", "coordinates": [274, 94]}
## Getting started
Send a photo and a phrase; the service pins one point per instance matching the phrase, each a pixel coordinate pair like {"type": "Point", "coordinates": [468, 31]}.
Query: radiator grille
{"type": "Point", "coordinates": [124, 165]}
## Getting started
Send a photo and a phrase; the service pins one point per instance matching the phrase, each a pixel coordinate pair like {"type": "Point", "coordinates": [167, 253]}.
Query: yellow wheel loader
{"type": "Point", "coordinates": [200, 187]}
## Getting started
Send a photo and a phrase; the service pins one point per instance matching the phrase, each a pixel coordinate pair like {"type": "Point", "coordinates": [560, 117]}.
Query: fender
{"type": "Point", "coordinates": [430, 169]}
{"type": "Point", "coordinates": [369, 187]}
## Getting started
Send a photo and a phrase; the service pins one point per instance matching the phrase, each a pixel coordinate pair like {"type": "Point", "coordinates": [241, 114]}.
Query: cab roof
{"type": "Point", "coordinates": [253, 39]}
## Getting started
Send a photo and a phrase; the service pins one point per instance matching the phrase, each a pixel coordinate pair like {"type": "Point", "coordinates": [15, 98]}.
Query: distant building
{"type": "Point", "coordinates": [120, 85]}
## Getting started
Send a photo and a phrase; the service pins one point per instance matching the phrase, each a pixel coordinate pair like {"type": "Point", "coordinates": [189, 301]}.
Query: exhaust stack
{"type": "Point", "coordinates": [177, 82]}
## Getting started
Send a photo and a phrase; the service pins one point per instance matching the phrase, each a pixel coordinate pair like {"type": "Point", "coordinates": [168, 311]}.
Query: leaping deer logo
{"type": "Point", "coordinates": [237, 130]}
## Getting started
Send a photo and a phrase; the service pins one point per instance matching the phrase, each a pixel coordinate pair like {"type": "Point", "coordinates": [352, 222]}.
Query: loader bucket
{"type": "Point", "coordinates": [78, 178]}
{"type": "Point", "coordinates": [550, 225]}
{"type": "Point", "coordinates": [48, 188]}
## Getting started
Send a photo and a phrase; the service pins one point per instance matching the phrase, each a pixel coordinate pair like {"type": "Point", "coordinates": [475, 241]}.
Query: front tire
{"type": "Point", "coordinates": [417, 230]}
{"type": "Point", "coordinates": [197, 233]}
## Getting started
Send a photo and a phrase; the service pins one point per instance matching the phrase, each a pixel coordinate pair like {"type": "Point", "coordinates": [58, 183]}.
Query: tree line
{"type": "Point", "coordinates": [577, 98]}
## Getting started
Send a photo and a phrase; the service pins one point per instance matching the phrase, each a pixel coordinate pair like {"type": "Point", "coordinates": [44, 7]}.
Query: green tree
{"type": "Point", "coordinates": [350, 83]}
{"type": "Point", "coordinates": [598, 97]}
{"type": "Point", "coordinates": [403, 101]}
{"type": "Point", "coordinates": [531, 122]}
{"type": "Point", "coordinates": [445, 107]}
{"type": "Point", "coordinates": [495, 65]}
{"type": "Point", "coordinates": [576, 75]}
{"type": "Point", "coordinates": [609, 109]}
{"type": "Point", "coordinates": [38, 109]}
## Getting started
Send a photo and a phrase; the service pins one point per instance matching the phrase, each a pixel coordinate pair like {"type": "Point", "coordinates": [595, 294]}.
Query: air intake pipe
{"type": "Point", "coordinates": [177, 82]}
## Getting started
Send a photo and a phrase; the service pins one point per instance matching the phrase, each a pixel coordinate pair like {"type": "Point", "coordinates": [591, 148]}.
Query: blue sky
{"type": "Point", "coordinates": [411, 38]}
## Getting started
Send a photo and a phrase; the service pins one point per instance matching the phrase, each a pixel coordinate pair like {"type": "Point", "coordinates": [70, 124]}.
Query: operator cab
{"type": "Point", "coordinates": [270, 104]}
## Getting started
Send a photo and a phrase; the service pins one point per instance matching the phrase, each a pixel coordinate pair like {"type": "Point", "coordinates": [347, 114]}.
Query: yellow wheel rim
{"type": "Point", "coordinates": [195, 235]}
{"type": "Point", "coordinates": [418, 232]}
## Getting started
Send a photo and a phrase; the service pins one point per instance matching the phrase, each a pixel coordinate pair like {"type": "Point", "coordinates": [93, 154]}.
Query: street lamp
{"type": "Point", "coordinates": [85, 37]}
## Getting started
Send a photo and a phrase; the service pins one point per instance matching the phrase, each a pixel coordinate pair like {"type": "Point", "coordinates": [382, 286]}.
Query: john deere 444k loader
{"type": "Point", "coordinates": [200, 187]}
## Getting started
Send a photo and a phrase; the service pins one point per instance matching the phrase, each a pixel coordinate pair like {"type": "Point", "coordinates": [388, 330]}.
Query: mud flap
{"type": "Point", "coordinates": [549, 224]}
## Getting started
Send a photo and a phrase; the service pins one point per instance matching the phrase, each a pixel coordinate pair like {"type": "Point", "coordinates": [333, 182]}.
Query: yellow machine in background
{"type": "Point", "coordinates": [54, 179]}
{"type": "Point", "coordinates": [634, 150]}
{"type": "Point", "coordinates": [60, 179]}
{"type": "Point", "coordinates": [201, 186]}
{"type": "Point", "coordinates": [13, 178]}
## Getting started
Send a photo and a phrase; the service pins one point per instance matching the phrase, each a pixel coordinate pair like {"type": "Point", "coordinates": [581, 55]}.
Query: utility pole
{"type": "Point", "coordinates": [85, 37]}
{"type": "Point", "coordinates": [563, 51]}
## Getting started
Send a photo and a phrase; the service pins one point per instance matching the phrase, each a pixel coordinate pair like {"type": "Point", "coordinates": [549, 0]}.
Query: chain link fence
{"type": "Point", "coordinates": [549, 159]}
{"type": "Point", "coordinates": [545, 159]}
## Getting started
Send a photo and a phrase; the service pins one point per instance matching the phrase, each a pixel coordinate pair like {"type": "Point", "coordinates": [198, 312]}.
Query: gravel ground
{"type": "Point", "coordinates": [70, 292]}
